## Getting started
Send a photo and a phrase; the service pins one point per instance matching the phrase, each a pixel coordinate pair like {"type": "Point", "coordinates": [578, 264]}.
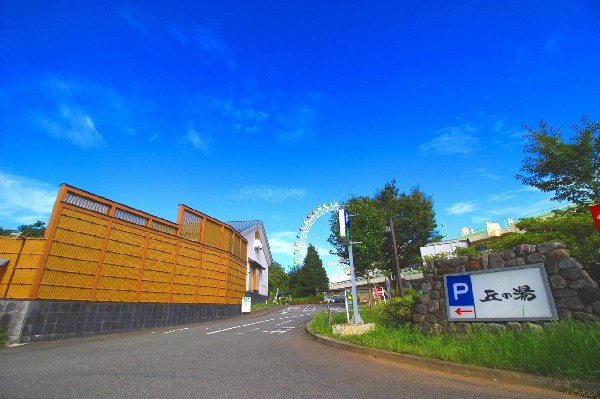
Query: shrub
{"type": "Point", "coordinates": [399, 310]}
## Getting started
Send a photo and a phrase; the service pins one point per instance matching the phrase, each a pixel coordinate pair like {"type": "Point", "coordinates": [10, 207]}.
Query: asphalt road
{"type": "Point", "coordinates": [267, 356]}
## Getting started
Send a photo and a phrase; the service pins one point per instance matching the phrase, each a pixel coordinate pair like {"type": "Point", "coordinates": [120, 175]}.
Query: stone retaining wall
{"type": "Point", "coordinates": [575, 294]}
{"type": "Point", "coordinates": [31, 321]}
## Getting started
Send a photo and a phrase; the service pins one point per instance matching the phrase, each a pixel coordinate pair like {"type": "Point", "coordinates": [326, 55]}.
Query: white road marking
{"type": "Point", "coordinates": [281, 330]}
{"type": "Point", "coordinates": [244, 332]}
{"type": "Point", "coordinates": [234, 327]}
{"type": "Point", "coordinates": [179, 329]}
{"type": "Point", "coordinates": [168, 332]}
{"type": "Point", "coordinates": [288, 318]}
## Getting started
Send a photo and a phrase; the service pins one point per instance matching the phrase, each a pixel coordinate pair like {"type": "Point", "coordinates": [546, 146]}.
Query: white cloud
{"type": "Point", "coordinates": [512, 194]}
{"type": "Point", "coordinates": [515, 204]}
{"type": "Point", "coordinates": [193, 138]}
{"type": "Point", "coordinates": [298, 122]}
{"type": "Point", "coordinates": [24, 200]}
{"type": "Point", "coordinates": [80, 111]}
{"type": "Point", "coordinates": [73, 125]}
{"type": "Point", "coordinates": [211, 44]}
{"type": "Point", "coordinates": [133, 18]}
{"type": "Point", "coordinates": [461, 207]}
{"type": "Point", "coordinates": [282, 242]}
{"type": "Point", "coordinates": [269, 194]}
{"type": "Point", "coordinates": [457, 140]}
{"type": "Point", "coordinates": [483, 172]}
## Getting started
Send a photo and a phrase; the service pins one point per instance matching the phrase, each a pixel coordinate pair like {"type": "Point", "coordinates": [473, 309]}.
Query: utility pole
{"type": "Point", "coordinates": [399, 283]}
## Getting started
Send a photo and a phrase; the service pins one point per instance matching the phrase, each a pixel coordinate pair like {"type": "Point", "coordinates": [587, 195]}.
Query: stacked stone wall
{"type": "Point", "coordinates": [575, 294]}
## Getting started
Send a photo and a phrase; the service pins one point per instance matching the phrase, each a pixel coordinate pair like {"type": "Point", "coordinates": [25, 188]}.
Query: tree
{"type": "Point", "coordinates": [575, 229]}
{"type": "Point", "coordinates": [311, 277]}
{"type": "Point", "coordinates": [4, 232]}
{"type": "Point", "coordinates": [367, 227]}
{"type": "Point", "coordinates": [414, 226]}
{"type": "Point", "coordinates": [570, 169]}
{"type": "Point", "coordinates": [278, 279]}
{"type": "Point", "coordinates": [33, 230]}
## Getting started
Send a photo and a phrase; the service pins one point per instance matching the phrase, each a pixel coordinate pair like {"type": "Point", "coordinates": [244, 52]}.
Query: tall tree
{"type": "Point", "coordinates": [367, 227]}
{"type": "Point", "coordinates": [570, 169]}
{"type": "Point", "coordinates": [278, 279]}
{"type": "Point", "coordinates": [414, 226]}
{"type": "Point", "coordinates": [311, 277]}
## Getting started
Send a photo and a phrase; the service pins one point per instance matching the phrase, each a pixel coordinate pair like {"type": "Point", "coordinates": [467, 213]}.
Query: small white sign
{"type": "Point", "coordinates": [246, 304]}
{"type": "Point", "coordinates": [506, 294]}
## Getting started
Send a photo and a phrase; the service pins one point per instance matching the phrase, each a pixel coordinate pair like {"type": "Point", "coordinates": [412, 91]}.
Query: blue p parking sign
{"type": "Point", "coordinates": [461, 304]}
{"type": "Point", "coordinates": [460, 290]}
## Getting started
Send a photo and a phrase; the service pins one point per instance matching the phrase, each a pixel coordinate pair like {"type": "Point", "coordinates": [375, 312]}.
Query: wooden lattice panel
{"type": "Point", "coordinates": [212, 234]}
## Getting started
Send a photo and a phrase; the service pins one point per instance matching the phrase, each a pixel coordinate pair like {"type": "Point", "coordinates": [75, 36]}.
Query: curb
{"type": "Point", "coordinates": [511, 377]}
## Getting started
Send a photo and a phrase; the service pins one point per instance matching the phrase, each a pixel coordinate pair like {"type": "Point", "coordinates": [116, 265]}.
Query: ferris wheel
{"type": "Point", "coordinates": [300, 245]}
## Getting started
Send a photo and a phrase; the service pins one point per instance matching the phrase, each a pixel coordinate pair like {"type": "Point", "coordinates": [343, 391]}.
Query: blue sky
{"type": "Point", "coordinates": [265, 109]}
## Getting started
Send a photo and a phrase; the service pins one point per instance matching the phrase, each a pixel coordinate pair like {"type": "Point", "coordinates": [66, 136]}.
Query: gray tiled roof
{"type": "Point", "coordinates": [244, 225]}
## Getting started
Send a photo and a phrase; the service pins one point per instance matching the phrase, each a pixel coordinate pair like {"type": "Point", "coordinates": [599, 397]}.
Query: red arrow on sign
{"type": "Point", "coordinates": [460, 311]}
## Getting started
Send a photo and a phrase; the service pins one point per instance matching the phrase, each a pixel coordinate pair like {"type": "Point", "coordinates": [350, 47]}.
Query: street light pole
{"type": "Point", "coordinates": [399, 283]}
{"type": "Point", "coordinates": [344, 221]}
{"type": "Point", "coordinates": [356, 319]}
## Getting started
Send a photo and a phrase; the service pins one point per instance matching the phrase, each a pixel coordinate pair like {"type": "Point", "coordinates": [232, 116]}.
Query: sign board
{"type": "Point", "coordinates": [378, 292]}
{"type": "Point", "coordinates": [246, 304]}
{"type": "Point", "coordinates": [344, 221]}
{"type": "Point", "coordinates": [506, 294]}
{"type": "Point", "coordinates": [595, 210]}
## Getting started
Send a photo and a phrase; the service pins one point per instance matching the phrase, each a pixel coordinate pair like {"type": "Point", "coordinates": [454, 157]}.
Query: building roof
{"type": "Point", "coordinates": [245, 225]}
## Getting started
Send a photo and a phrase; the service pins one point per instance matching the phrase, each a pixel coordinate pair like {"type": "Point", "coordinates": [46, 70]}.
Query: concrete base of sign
{"type": "Point", "coordinates": [352, 329]}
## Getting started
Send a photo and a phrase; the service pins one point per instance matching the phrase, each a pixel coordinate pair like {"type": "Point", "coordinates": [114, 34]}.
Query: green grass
{"type": "Point", "coordinates": [260, 305]}
{"type": "Point", "coordinates": [565, 350]}
{"type": "Point", "coordinates": [3, 333]}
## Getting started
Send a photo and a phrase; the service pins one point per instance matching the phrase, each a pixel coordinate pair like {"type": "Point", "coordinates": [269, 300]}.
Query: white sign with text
{"type": "Point", "coordinates": [506, 294]}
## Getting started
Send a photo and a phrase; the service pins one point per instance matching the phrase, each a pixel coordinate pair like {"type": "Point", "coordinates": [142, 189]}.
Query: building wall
{"type": "Point", "coordinates": [258, 279]}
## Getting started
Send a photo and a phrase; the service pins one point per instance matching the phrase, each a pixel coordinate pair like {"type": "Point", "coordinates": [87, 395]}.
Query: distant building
{"type": "Point", "coordinates": [443, 247]}
{"type": "Point", "coordinates": [259, 258]}
{"type": "Point", "coordinates": [492, 229]}
{"type": "Point", "coordinates": [465, 231]}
